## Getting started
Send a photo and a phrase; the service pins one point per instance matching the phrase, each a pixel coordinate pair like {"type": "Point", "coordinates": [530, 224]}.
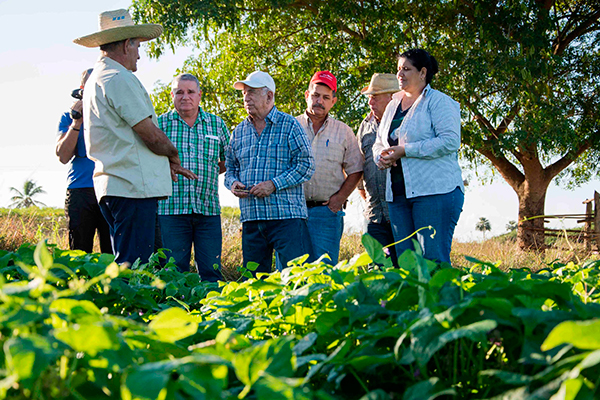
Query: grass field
{"type": "Point", "coordinates": [18, 226]}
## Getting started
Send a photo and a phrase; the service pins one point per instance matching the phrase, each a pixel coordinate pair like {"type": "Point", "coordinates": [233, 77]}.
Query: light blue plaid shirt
{"type": "Point", "coordinates": [282, 154]}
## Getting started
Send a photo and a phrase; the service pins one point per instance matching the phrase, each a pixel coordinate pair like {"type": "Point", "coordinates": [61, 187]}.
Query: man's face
{"type": "Point", "coordinates": [133, 54]}
{"type": "Point", "coordinates": [319, 100]}
{"type": "Point", "coordinates": [378, 102]}
{"type": "Point", "coordinates": [186, 96]}
{"type": "Point", "coordinates": [256, 101]}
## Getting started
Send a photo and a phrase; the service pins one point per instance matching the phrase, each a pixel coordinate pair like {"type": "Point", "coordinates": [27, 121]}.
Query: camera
{"type": "Point", "coordinates": [76, 94]}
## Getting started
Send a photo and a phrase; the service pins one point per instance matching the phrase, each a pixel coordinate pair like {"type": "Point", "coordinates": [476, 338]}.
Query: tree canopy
{"type": "Point", "coordinates": [526, 72]}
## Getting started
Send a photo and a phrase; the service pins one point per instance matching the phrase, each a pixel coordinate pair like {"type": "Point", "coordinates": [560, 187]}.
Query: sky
{"type": "Point", "coordinates": [40, 66]}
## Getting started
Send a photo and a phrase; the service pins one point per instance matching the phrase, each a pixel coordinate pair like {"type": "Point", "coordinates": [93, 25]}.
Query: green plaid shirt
{"type": "Point", "coordinates": [201, 147]}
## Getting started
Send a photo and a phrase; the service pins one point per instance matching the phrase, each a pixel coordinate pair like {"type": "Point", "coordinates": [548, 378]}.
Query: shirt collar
{"type": "Point", "coordinates": [310, 123]}
{"type": "Point", "coordinates": [113, 64]}
{"type": "Point", "coordinates": [399, 95]}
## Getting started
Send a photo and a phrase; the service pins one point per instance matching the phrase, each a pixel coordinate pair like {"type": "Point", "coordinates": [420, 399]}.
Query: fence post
{"type": "Point", "coordinates": [587, 231]}
{"type": "Point", "coordinates": [597, 219]}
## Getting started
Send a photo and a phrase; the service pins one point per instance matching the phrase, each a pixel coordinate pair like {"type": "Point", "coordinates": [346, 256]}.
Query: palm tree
{"type": "Point", "coordinates": [512, 226]}
{"type": "Point", "coordinates": [483, 225]}
{"type": "Point", "coordinates": [25, 199]}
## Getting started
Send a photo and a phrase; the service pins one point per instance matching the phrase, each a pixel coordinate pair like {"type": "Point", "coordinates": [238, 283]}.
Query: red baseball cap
{"type": "Point", "coordinates": [326, 78]}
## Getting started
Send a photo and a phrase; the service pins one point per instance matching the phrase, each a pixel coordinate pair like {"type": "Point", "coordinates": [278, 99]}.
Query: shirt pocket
{"type": "Point", "coordinates": [334, 152]}
{"type": "Point", "coordinates": [210, 149]}
{"type": "Point", "coordinates": [278, 158]}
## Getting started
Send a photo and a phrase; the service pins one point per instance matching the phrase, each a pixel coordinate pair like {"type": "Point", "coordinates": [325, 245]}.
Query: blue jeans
{"type": "Point", "coordinates": [384, 234]}
{"type": "Point", "coordinates": [441, 211]}
{"type": "Point", "coordinates": [289, 237]}
{"type": "Point", "coordinates": [326, 228]}
{"type": "Point", "coordinates": [132, 224]}
{"type": "Point", "coordinates": [204, 231]}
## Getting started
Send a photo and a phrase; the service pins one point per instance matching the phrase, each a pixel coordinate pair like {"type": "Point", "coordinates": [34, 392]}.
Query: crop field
{"type": "Point", "coordinates": [78, 326]}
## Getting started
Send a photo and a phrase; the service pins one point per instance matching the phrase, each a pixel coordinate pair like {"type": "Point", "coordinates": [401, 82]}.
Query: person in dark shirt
{"type": "Point", "coordinates": [81, 207]}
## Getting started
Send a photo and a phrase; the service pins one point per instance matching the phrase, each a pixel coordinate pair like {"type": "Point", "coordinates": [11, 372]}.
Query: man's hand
{"type": "Point", "coordinates": [177, 169]}
{"type": "Point", "coordinates": [239, 190]}
{"type": "Point", "coordinates": [263, 189]}
{"type": "Point", "coordinates": [390, 156]}
{"type": "Point", "coordinates": [335, 202]}
{"type": "Point", "coordinates": [77, 106]}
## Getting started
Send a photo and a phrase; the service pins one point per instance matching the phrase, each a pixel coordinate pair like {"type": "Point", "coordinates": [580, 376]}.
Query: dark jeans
{"type": "Point", "coordinates": [440, 211]}
{"type": "Point", "coordinates": [204, 231]}
{"type": "Point", "coordinates": [84, 219]}
{"type": "Point", "coordinates": [132, 224]}
{"type": "Point", "coordinates": [289, 237]}
{"type": "Point", "coordinates": [384, 234]}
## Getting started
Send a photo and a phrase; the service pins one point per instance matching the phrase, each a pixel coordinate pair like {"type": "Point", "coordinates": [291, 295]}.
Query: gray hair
{"type": "Point", "coordinates": [185, 77]}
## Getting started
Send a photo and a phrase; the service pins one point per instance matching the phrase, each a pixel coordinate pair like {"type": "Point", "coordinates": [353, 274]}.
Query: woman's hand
{"type": "Point", "coordinates": [390, 156]}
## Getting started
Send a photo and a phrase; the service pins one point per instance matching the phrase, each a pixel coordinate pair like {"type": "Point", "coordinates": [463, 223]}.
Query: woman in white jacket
{"type": "Point", "coordinates": [417, 141]}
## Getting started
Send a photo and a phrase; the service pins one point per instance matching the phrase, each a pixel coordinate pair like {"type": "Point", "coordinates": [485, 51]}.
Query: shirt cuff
{"type": "Point", "coordinates": [411, 150]}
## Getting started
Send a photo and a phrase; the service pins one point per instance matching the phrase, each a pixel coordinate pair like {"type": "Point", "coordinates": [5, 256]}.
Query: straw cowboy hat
{"type": "Point", "coordinates": [117, 25]}
{"type": "Point", "coordinates": [382, 83]}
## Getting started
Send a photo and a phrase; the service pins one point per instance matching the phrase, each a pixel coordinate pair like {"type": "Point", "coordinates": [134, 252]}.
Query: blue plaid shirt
{"type": "Point", "coordinates": [282, 154]}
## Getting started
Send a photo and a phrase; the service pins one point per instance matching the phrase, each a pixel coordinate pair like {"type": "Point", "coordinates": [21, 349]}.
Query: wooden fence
{"type": "Point", "coordinates": [590, 234]}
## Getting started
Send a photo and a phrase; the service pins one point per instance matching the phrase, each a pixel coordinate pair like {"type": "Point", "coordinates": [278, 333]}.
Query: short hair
{"type": "Point", "coordinates": [422, 59]}
{"type": "Point", "coordinates": [185, 77]}
{"type": "Point", "coordinates": [85, 75]}
{"type": "Point", "coordinates": [112, 45]}
{"type": "Point", "coordinates": [108, 47]}
{"type": "Point", "coordinates": [333, 92]}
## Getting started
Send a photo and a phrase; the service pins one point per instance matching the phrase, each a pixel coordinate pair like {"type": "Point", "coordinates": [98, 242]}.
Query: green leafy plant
{"type": "Point", "coordinates": [76, 325]}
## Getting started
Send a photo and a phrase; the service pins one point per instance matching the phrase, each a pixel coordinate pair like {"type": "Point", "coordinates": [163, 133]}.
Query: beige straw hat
{"type": "Point", "coordinates": [382, 83]}
{"type": "Point", "coordinates": [117, 25]}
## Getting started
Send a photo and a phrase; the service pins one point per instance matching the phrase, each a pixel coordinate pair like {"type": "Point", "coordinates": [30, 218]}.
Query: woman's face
{"type": "Point", "coordinates": [409, 78]}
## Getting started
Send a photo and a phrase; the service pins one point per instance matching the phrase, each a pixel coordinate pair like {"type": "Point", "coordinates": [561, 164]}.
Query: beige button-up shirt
{"type": "Point", "coordinates": [114, 101]}
{"type": "Point", "coordinates": [336, 154]}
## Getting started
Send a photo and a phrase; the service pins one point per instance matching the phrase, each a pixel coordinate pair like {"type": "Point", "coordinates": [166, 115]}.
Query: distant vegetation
{"type": "Point", "coordinates": [25, 197]}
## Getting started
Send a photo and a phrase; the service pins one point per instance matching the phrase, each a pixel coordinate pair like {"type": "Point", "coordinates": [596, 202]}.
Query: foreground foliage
{"type": "Point", "coordinates": [78, 326]}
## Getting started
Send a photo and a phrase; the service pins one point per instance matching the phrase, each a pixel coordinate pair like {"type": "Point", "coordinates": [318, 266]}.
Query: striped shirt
{"type": "Point", "coordinates": [430, 133]}
{"type": "Point", "coordinates": [374, 179]}
{"type": "Point", "coordinates": [282, 154]}
{"type": "Point", "coordinates": [201, 147]}
{"type": "Point", "coordinates": [336, 155]}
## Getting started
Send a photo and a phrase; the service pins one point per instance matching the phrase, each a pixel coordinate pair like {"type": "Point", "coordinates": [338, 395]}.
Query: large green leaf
{"type": "Point", "coordinates": [581, 334]}
{"type": "Point", "coordinates": [28, 357]}
{"type": "Point", "coordinates": [173, 324]}
{"type": "Point", "coordinates": [89, 338]}
{"type": "Point", "coordinates": [476, 332]}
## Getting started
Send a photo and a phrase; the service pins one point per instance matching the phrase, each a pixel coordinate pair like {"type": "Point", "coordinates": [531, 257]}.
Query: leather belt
{"type": "Point", "coordinates": [313, 203]}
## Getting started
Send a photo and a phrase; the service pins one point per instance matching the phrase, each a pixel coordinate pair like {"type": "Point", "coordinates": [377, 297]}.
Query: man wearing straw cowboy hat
{"type": "Point", "coordinates": [372, 187]}
{"type": "Point", "coordinates": [134, 158]}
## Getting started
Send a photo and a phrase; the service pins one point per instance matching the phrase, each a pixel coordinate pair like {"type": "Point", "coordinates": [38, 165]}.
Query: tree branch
{"type": "Point", "coordinates": [503, 127]}
{"type": "Point", "coordinates": [560, 45]}
{"type": "Point", "coordinates": [508, 170]}
{"type": "Point", "coordinates": [554, 169]}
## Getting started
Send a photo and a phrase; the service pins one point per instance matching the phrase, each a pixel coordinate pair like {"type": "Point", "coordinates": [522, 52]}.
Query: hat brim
{"type": "Point", "coordinates": [143, 31]}
{"type": "Point", "coordinates": [366, 91]}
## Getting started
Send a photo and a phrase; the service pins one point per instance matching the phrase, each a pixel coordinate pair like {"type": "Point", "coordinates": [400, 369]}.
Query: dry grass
{"type": "Point", "coordinates": [34, 224]}
{"type": "Point", "coordinates": [509, 256]}
{"type": "Point", "coordinates": [31, 225]}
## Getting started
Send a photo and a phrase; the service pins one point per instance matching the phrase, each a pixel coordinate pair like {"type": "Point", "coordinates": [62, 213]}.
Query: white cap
{"type": "Point", "coordinates": [257, 79]}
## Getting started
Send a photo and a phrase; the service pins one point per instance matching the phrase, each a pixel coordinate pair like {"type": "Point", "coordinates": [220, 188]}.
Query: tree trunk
{"type": "Point", "coordinates": [532, 200]}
